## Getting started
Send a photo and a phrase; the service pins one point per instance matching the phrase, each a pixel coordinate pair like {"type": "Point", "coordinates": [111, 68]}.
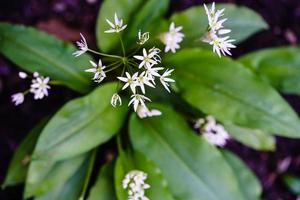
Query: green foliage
{"type": "Point", "coordinates": [254, 138]}
{"type": "Point", "coordinates": [241, 20]}
{"type": "Point", "coordinates": [278, 66]}
{"type": "Point", "coordinates": [231, 93]}
{"type": "Point", "coordinates": [190, 165]}
{"type": "Point", "coordinates": [81, 125]}
{"type": "Point", "coordinates": [137, 161]}
{"type": "Point", "coordinates": [104, 186]}
{"type": "Point", "coordinates": [34, 50]}
{"type": "Point", "coordinates": [248, 183]}
{"type": "Point", "coordinates": [18, 166]}
{"type": "Point", "coordinates": [293, 183]}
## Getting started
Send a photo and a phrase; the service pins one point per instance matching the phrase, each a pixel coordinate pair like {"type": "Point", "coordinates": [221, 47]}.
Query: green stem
{"type": "Point", "coordinates": [55, 82]}
{"type": "Point", "coordinates": [111, 69]}
{"type": "Point", "coordinates": [121, 41]}
{"type": "Point", "coordinates": [119, 143]}
{"type": "Point", "coordinates": [104, 54]}
{"type": "Point", "coordinates": [88, 175]}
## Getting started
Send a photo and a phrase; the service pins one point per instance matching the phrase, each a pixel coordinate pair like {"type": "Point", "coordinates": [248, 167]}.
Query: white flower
{"type": "Point", "coordinates": [117, 26]}
{"type": "Point", "coordinates": [144, 112]}
{"type": "Point", "coordinates": [39, 87]}
{"type": "Point", "coordinates": [143, 38]}
{"type": "Point", "coordinates": [213, 132]}
{"type": "Point", "coordinates": [221, 45]}
{"type": "Point", "coordinates": [148, 60]}
{"type": "Point", "coordinates": [172, 38]}
{"type": "Point", "coordinates": [130, 81]}
{"type": "Point", "coordinates": [134, 182]}
{"type": "Point", "coordinates": [164, 79]}
{"type": "Point", "coordinates": [137, 99]}
{"type": "Point", "coordinates": [143, 79]}
{"type": "Point", "coordinates": [22, 75]}
{"type": "Point", "coordinates": [17, 98]}
{"type": "Point", "coordinates": [82, 45]}
{"type": "Point", "coordinates": [98, 71]}
{"type": "Point", "coordinates": [151, 73]}
{"type": "Point", "coordinates": [116, 100]}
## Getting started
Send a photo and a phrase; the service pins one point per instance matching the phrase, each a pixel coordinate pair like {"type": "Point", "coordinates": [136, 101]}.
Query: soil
{"type": "Point", "coordinates": [66, 18]}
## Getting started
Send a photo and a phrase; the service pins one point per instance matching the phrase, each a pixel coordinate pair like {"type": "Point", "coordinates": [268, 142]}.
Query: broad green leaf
{"type": "Point", "coordinates": [278, 66]}
{"type": "Point", "coordinates": [34, 50]}
{"type": "Point", "coordinates": [241, 20]}
{"type": "Point", "coordinates": [254, 138]}
{"type": "Point", "coordinates": [18, 166]}
{"type": "Point", "coordinates": [125, 10]}
{"type": "Point", "coordinates": [293, 183]}
{"type": "Point", "coordinates": [69, 190]}
{"type": "Point", "coordinates": [148, 16]}
{"type": "Point", "coordinates": [248, 183]}
{"type": "Point", "coordinates": [81, 125]}
{"type": "Point", "coordinates": [231, 93]}
{"type": "Point", "coordinates": [44, 175]}
{"type": "Point", "coordinates": [190, 165]}
{"type": "Point", "coordinates": [137, 161]}
{"type": "Point", "coordinates": [104, 186]}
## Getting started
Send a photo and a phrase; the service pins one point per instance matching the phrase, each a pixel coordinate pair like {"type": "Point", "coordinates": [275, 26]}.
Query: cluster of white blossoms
{"type": "Point", "coordinates": [138, 71]}
{"type": "Point", "coordinates": [134, 182]}
{"type": "Point", "coordinates": [213, 132]}
{"type": "Point", "coordinates": [172, 38]}
{"type": "Point", "coordinates": [215, 34]}
{"type": "Point", "coordinates": [39, 88]}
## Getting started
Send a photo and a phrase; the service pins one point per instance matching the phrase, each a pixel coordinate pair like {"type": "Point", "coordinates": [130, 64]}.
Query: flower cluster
{"type": "Point", "coordinates": [134, 182]}
{"type": "Point", "coordinates": [39, 88]}
{"type": "Point", "coordinates": [215, 34]}
{"type": "Point", "coordinates": [172, 38]}
{"type": "Point", "coordinates": [138, 71]}
{"type": "Point", "coordinates": [213, 132]}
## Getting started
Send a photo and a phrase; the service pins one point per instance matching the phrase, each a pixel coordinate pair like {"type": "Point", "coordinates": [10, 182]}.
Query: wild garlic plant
{"type": "Point", "coordinates": [139, 70]}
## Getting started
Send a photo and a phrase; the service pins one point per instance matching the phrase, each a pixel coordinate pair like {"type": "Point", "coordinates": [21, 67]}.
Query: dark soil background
{"type": "Point", "coordinates": [66, 18]}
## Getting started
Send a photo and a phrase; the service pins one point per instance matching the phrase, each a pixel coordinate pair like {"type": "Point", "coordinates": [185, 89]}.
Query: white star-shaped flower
{"type": "Point", "coordinates": [148, 60]}
{"type": "Point", "coordinates": [117, 26]}
{"type": "Point", "coordinates": [222, 45]}
{"type": "Point", "coordinates": [137, 99]}
{"type": "Point", "coordinates": [165, 80]}
{"type": "Point", "coordinates": [144, 112]}
{"type": "Point", "coordinates": [130, 81]}
{"type": "Point", "coordinates": [98, 71]}
{"type": "Point", "coordinates": [82, 45]}
{"type": "Point", "coordinates": [172, 38]}
{"type": "Point", "coordinates": [17, 98]}
{"type": "Point", "coordinates": [143, 80]}
{"type": "Point", "coordinates": [152, 72]}
{"type": "Point", "coordinates": [39, 87]}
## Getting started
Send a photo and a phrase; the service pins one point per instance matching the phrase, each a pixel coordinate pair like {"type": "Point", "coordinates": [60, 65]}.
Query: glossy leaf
{"type": "Point", "coordinates": [241, 20]}
{"type": "Point", "coordinates": [45, 175]}
{"type": "Point", "coordinates": [128, 162]}
{"type": "Point", "coordinates": [278, 66]}
{"type": "Point", "coordinates": [125, 9]}
{"type": "Point", "coordinates": [231, 93]}
{"type": "Point", "coordinates": [104, 186]}
{"type": "Point", "coordinates": [254, 138]}
{"type": "Point", "coordinates": [190, 165]}
{"type": "Point", "coordinates": [33, 50]}
{"type": "Point", "coordinates": [18, 166]}
{"type": "Point", "coordinates": [81, 125]}
{"type": "Point", "coordinates": [71, 189]}
{"type": "Point", "coordinates": [248, 183]}
{"type": "Point", "coordinates": [293, 183]}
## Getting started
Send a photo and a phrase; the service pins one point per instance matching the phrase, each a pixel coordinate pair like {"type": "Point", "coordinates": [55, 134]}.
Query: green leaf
{"type": "Point", "coordinates": [18, 166]}
{"type": "Point", "coordinates": [231, 93]}
{"type": "Point", "coordinates": [104, 186]}
{"type": "Point", "coordinates": [293, 183]}
{"type": "Point", "coordinates": [278, 66]}
{"type": "Point", "coordinates": [125, 10]}
{"type": "Point", "coordinates": [248, 183]}
{"type": "Point", "coordinates": [34, 50]}
{"type": "Point", "coordinates": [45, 175]}
{"type": "Point", "coordinates": [243, 22]}
{"type": "Point", "coordinates": [190, 165]}
{"type": "Point", "coordinates": [81, 125]}
{"type": "Point", "coordinates": [254, 138]}
{"type": "Point", "coordinates": [127, 162]}
{"type": "Point", "coordinates": [70, 189]}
